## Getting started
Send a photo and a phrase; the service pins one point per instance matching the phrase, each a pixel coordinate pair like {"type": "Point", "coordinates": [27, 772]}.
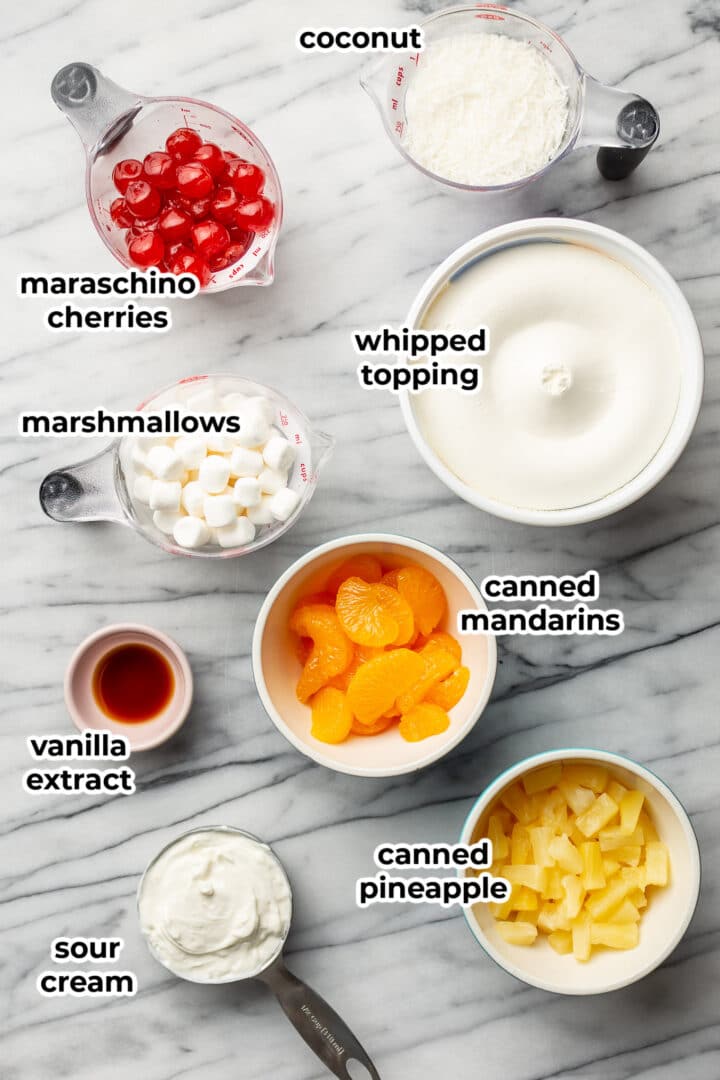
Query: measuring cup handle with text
{"type": "Point", "coordinates": [320, 1026]}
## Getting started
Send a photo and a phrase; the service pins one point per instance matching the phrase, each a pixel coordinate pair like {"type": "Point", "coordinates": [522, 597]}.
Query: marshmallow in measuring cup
{"type": "Point", "coordinates": [278, 453]}
{"type": "Point", "coordinates": [283, 503]}
{"type": "Point", "coordinates": [214, 473]}
{"type": "Point", "coordinates": [164, 463]}
{"type": "Point", "coordinates": [256, 417]}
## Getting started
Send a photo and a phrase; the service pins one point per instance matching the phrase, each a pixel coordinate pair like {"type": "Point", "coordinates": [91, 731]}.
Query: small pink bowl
{"type": "Point", "coordinates": [80, 700]}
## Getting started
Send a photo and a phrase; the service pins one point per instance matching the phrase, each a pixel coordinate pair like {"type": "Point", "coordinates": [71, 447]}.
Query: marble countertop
{"type": "Point", "coordinates": [362, 231]}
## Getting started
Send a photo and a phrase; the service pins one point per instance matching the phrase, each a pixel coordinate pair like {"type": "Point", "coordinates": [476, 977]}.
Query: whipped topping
{"type": "Point", "coordinates": [215, 906]}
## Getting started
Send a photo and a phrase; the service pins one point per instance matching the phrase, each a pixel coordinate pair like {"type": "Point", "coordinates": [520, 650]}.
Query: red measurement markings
{"type": "Point", "coordinates": [303, 472]}
{"type": "Point", "coordinates": [284, 419]}
{"type": "Point", "coordinates": [416, 58]}
{"type": "Point", "coordinates": [400, 76]}
{"type": "Point", "coordinates": [395, 103]}
{"type": "Point", "coordinates": [399, 127]}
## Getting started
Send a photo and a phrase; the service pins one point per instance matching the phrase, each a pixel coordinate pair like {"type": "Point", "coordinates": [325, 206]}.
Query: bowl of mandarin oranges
{"type": "Point", "coordinates": [358, 661]}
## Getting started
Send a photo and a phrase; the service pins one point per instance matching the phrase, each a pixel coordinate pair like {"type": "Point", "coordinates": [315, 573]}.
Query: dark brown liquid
{"type": "Point", "coordinates": [133, 683]}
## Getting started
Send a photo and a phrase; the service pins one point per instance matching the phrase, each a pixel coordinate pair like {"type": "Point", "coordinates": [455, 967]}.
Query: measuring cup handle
{"type": "Point", "coordinates": [624, 126]}
{"type": "Point", "coordinates": [85, 491]}
{"type": "Point", "coordinates": [320, 1026]}
{"type": "Point", "coordinates": [98, 109]}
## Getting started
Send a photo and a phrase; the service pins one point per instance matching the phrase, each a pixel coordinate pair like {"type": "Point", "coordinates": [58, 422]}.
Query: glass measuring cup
{"type": "Point", "coordinates": [114, 123]}
{"type": "Point", "coordinates": [327, 1035]}
{"type": "Point", "coordinates": [97, 488]}
{"type": "Point", "coordinates": [624, 126]}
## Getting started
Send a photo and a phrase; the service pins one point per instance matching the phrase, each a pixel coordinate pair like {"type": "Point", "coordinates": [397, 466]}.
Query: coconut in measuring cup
{"type": "Point", "coordinates": [215, 906]}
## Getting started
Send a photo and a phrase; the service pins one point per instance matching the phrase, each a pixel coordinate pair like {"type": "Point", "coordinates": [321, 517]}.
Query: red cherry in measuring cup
{"type": "Point", "coordinates": [143, 201]}
{"type": "Point", "coordinates": [174, 225]}
{"type": "Point", "coordinates": [120, 213]}
{"type": "Point", "coordinates": [212, 157]}
{"type": "Point", "coordinates": [183, 143]}
{"type": "Point", "coordinates": [139, 227]}
{"type": "Point", "coordinates": [232, 254]}
{"type": "Point", "coordinates": [210, 239]}
{"type": "Point", "coordinates": [198, 209]}
{"type": "Point", "coordinates": [187, 263]}
{"type": "Point", "coordinates": [193, 180]}
{"type": "Point", "coordinates": [159, 170]}
{"type": "Point", "coordinates": [256, 215]}
{"type": "Point", "coordinates": [147, 249]}
{"type": "Point", "coordinates": [125, 171]}
{"type": "Point", "coordinates": [247, 179]}
{"type": "Point", "coordinates": [224, 204]}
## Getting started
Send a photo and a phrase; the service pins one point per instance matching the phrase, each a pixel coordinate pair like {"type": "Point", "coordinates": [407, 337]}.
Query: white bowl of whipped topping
{"type": "Point", "coordinates": [592, 379]}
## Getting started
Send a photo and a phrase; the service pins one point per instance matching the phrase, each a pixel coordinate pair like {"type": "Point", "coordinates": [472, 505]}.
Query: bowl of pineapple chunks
{"type": "Point", "coordinates": [603, 865]}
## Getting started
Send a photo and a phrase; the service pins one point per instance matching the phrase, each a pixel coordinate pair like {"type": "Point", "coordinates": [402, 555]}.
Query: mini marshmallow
{"type": "Point", "coordinates": [191, 449]}
{"type": "Point", "coordinates": [193, 499]}
{"type": "Point", "coordinates": [247, 491]}
{"type": "Point", "coordinates": [233, 403]}
{"type": "Point", "coordinates": [278, 453]}
{"type": "Point", "coordinates": [264, 407]}
{"type": "Point", "coordinates": [164, 463]}
{"type": "Point", "coordinates": [245, 462]}
{"type": "Point", "coordinates": [191, 532]}
{"type": "Point", "coordinates": [219, 510]}
{"type": "Point", "coordinates": [283, 503]}
{"type": "Point", "coordinates": [239, 534]}
{"type": "Point", "coordinates": [138, 456]}
{"type": "Point", "coordinates": [165, 494]}
{"type": "Point", "coordinates": [141, 489]}
{"type": "Point", "coordinates": [271, 481]}
{"type": "Point", "coordinates": [205, 400]}
{"type": "Point", "coordinates": [219, 444]}
{"type": "Point", "coordinates": [166, 521]}
{"type": "Point", "coordinates": [261, 514]}
{"type": "Point", "coordinates": [254, 427]}
{"type": "Point", "coordinates": [214, 474]}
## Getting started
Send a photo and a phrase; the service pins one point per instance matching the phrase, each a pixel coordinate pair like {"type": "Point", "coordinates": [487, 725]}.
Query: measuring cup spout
{"type": "Point", "coordinates": [84, 492]}
{"type": "Point", "coordinates": [625, 126]}
{"type": "Point", "coordinates": [99, 110]}
{"type": "Point", "coordinates": [319, 1025]}
{"type": "Point", "coordinates": [322, 446]}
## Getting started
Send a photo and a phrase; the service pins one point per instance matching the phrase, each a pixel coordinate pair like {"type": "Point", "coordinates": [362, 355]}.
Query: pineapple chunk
{"type": "Point", "coordinates": [602, 903]}
{"type": "Point", "coordinates": [581, 940]}
{"type": "Point", "coordinates": [577, 797]}
{"type": "Point", "coordinates": [517, 802]}
{"type": "Point", "coordinates": [651, 836]}
{"type": "Point", "coordinates": [615, 935]}
{"type": "Point", "coordinates": [630, 806]}
{"type": "Point", "coordinates": [542, 779]}
{"type": "Point", "coordinates": [561, 941]}
{"type": "Point", "coordinates": [517, 933]}
{"type": "Point", "coordinates": [553, 889]}
{"type": "Point", "coordinates": [498, 839]}
{"type": "Point", "coordinates": [628, 855]}
{"type": "Point", "coordinates": [574, 896]}
{"type": "Point", "coordinates": [593, 875]}
{"type": "Point", "coordinates": [520, 847]}
{"type": "Point", "coordinates": [597, 816]}
{"type": "Point", "coordinates": [525, 900]}
{"type": "Point", "coordinates": [610, 866]}
{"type": "Point", "coordinates": [616, 837]}
{"type": "Point", "coordinates": [554, 811]}
{"type": "Point", "coordinates": [638, 899]}
{"type": "Point", "coordinates": [501, 911]}
{"type": "Point", "coordinates": [533, 877]}
{"type": "Point", "coordinates": [551, 918]}
{"type": "Point", "coordinates": [540, 839]}
{"type": "Point", "coordinates": [587, 774]}
{"type": "Point", "coordinates": [616, 791]}
{"type": "Point", "coordinates": [566, 854]}
{"type": "Point", "coordinates": [627, 912]}
{"type": "Point", "coordinates": [527, 916]}
{"type": "Point", "coordinates": [656, 864]}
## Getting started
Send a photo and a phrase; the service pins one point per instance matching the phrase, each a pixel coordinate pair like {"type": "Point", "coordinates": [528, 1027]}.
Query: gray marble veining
{"type": "Point", "coordinates": [362, 230]}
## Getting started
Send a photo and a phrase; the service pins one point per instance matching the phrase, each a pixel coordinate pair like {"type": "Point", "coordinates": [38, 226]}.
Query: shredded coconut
{"type": "Point", "coordinates": [484, 109]}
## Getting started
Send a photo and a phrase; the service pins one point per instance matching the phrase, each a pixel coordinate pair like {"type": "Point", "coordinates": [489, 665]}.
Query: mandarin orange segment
{"type": "Point", "coordinates": [424, 594]}
{"type": "Point", "coordinates": [371, 729]}
{"type": "Point", "coordinates": [331, 716]}
{"type": "Point", "coordinates": [437, 665]}
{"type": "Point", "coordinates": [377, 683]}
{"type": "Point", "coordinates": [447, 642]}
{"type": "Point", "coordinates": [373, 614]}
{"type": "Point", "coordinates": [331, 651]}
{"type": "Point", "coordinates": [449, 692]}
{"type": "Point", "coordinates": [423, 721]}
{"type": "Point", "coordinates": [363, 653]}
{"type": "Point", "coordinates": [366, 567]}
{"type": "Point", "coordinates": [303, 648]}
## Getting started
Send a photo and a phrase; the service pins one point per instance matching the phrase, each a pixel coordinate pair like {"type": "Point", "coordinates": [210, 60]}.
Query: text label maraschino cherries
{"type": "Point", "coordinates": [192, 208]}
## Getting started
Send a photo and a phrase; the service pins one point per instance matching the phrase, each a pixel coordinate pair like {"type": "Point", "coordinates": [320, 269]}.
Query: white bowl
{"type": "Point", "coordinates": [641, 262]}
{"type": "Point", "coordinates": [664, 921]}
{"type": "Point", "coordinates": [276, 668]}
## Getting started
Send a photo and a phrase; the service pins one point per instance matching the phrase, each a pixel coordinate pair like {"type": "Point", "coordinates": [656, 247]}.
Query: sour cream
{"type": "Point", "coordinates": [215, 906]}
{"type": "Point", "coordinates": [581, 380]}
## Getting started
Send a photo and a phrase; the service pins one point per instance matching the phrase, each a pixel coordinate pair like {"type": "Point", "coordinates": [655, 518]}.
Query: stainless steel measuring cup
{"type": "Point", "coordinates": [623, 125]}
{"type": "Point", "coordinates": [318, 1024]}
